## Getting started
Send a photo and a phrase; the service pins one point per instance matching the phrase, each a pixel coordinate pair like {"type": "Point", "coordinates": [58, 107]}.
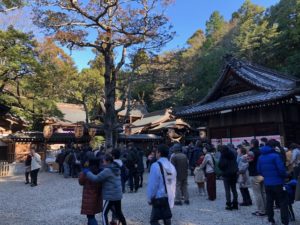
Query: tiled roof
{"type": "Point", "coordinates": [171, 124]}
{"type": "Point", "coordinates": [266, 86]}
{"type": "Point", "coordinates": [72, 112]}
{"type": "Point", "coordinates": [237, 100]}
{"type": "Point", "coordinates": [150, 119]}
{"type": "Point", "coordinates": [137, 109]}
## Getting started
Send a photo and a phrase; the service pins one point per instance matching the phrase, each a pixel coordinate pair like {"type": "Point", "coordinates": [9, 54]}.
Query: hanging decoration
{"type": "Point", "coordinates": [48, 131]}
{"type": "Point", "coordinates": [92, 132]}
{"type": "Point", "coordinates": [79, 130]}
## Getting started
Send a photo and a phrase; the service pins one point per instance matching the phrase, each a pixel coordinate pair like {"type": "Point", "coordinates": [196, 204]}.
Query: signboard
{"type": "Point", "coordinates": [223, 141]}
{"type": "Point", "coordinates": [240, 140]}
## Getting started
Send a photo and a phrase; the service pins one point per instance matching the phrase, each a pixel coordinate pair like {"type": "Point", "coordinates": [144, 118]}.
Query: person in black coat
{"type": "Point", "coordinates": [141, 167]}
{"type": "Point", "coordinates": [229, 170]}
{"type": "Point", "coordinates": [27, 169]}
{"type": "Point", "coordinates": [132, 165]}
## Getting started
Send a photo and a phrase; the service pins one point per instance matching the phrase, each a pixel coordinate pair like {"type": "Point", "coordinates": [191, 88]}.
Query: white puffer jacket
{"type": "Point", "coordinates": [36, 162]}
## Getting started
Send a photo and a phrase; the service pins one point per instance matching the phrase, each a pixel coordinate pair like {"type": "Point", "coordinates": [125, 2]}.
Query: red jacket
{"type": "Point", "coordinates": [91, 196]}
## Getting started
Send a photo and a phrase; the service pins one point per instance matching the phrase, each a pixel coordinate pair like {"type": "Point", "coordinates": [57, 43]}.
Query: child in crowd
{"type": "Point", "coordinates": [91, 194]}
{"type": "Point", "coordinates": [200, 176]}
{"type": "Point", "coordinates": [244, 179]}
{"type": "Point", "coordinates": [110, 179]}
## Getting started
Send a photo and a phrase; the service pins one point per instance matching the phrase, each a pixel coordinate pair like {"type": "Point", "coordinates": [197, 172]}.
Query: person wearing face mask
{"type": "Point", "coordinates": [208, 165]}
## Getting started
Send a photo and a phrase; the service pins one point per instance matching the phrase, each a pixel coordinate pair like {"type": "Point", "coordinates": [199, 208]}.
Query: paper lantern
{"type": "Point", "coordinates": [48, 131]}
{"type": "Point", "coordinates": [202, 134]}
{"type": "Point", "coordinates": [79, 131]}
{"type": "Point", "coordinates": [92, 132]}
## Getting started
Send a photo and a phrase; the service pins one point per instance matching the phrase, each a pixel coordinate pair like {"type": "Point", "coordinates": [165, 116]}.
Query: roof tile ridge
{"type": "Point", "coordinates": [255, 70]}
{"type": "Point", "coordinates": [272, 71]}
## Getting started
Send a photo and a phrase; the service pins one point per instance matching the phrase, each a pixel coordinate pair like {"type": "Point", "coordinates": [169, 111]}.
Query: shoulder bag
{"type": "Point", "coordinates": [161, 207]}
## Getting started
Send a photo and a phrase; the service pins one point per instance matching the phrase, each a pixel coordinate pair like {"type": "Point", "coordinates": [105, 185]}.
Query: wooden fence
{"type": "Point", "coordinates": [4, 168]}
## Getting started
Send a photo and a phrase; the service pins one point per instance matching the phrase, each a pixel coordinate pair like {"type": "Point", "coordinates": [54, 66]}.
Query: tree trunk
{"type": "Point", "coordinates": [86, 112]}
{"type": "Point", "coordinates": [110, 122]}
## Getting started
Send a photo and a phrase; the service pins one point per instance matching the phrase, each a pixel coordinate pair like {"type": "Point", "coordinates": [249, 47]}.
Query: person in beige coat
{"type": "Point", "coordinates": [36, 164]}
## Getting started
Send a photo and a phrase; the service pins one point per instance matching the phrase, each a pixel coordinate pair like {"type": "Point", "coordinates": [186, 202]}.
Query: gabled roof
{"type": "Point", "coordinates": [258, 84]}
{"type": "Point", "coordinates": [151, 119]}
{"type": "Point", "coordinates": [72, 112]}
{"type": "Point", "coordinates": [171, 124]}
{"type": "Point", "coordinates": [136, 109]}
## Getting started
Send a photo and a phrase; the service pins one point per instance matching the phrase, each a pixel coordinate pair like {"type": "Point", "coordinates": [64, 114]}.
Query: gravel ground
{"type": "Point", "coordinates": [57, 201]}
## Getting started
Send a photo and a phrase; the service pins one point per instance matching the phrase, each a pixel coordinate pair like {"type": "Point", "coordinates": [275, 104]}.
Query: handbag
{"type": "Point", "coordinates": [161, 207]}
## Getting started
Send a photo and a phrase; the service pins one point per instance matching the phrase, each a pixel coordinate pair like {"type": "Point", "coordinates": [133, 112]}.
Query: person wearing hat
{"type": "Point", "coordinates": [180, 162]}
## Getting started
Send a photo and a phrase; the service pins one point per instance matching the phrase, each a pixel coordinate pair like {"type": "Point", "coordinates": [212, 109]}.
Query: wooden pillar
{"type": "Point", "coordinates": [228, 134]}
{"type": "Point", "coordinates": [282, 134]}
{"type": "Point", "coordinates": [208, 133]}
{"type": "Point", "coordinates": [281, 127]}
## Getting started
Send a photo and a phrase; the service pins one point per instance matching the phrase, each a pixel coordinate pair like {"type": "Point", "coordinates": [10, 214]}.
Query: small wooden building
{"type": "Point", "coordinates": [8, 125]}
{"type": "Point", "coordinates": [248, 101]}
{"type": "Point", "coordinates": [136, 112]}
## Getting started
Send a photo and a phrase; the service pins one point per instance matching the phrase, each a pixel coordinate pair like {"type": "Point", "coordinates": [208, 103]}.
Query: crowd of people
{"type": "Point", "coordinates": [271, 170]}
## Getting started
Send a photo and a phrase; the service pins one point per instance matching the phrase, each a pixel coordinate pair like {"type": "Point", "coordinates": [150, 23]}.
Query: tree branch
{"type": "Point", "coordinates": [8, 10]}
{"type": "Point", "coordinates": [75, 24]}
{"type": "Point", "coordinates": [122, 61]}
{"type": "Point", "coordinates": [87, 44]}
{"type": "Point", "coordinates": [85, 14]}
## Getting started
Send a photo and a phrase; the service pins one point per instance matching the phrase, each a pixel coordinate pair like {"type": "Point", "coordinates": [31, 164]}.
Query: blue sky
{"type": "Point", "coordinates": [186, 16]}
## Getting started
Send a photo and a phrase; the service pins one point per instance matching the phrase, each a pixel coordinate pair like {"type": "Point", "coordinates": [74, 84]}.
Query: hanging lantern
{"type": "Point", "coordinates": [79, 131]}
{"type": "Point", "coordinates": [48, 131]}
{"type": "Point", "coordinates": [127, 130]}
{"type": "Point", "coordinates": [202, 134]}
{"type": "Point", "coordinates": [172, 134]}
{"type": "Point", "coordinates": [92, 132]}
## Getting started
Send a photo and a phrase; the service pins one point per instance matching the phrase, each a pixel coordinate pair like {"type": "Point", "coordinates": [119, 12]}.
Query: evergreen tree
{"type": "Point", "coordinates": [286, 55]}
{"type": "Point", "coordinates": [253, 35]}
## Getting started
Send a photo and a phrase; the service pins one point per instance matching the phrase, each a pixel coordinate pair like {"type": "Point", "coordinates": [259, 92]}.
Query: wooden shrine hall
{"type": "Point", "coordinates": [248, 101]}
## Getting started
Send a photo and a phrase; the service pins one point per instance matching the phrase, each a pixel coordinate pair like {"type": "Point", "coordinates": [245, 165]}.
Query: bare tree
{"type": "Point", "coordinates": [109, 27]}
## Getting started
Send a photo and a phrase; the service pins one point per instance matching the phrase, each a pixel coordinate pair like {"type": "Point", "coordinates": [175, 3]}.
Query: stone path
{"type": "Point", "coordinates": [57, 201]}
